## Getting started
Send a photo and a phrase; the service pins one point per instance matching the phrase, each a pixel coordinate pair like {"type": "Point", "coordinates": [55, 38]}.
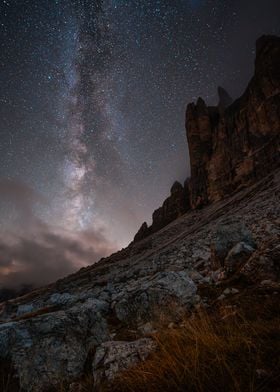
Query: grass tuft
{"type": "Point", "coordinates": [206, 353]}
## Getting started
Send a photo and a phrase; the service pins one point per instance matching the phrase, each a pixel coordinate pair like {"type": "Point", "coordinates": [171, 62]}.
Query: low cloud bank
{"type": "Point", "coordinates": [41, 253]}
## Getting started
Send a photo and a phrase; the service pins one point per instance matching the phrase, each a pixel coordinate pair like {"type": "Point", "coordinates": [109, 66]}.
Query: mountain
{"type": "Point", "coordinates": [231, 145]}
{"type": "Point", "coordinates": [213, 245]}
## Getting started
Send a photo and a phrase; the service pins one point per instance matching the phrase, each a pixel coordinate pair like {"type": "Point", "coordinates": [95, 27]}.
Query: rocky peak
{"type": "Point", "coordinates": [142, 232]}
{"type": "Point", "coordinates": [231, 145]}
{"type": "Point", "coordinates": [176, 188]}
{"type": "Point", "coordinates": [232, 148]}
{"type": "Point", "coordinates": [172, 208]}
{"type": "Point", "coordinates": [224, 98]}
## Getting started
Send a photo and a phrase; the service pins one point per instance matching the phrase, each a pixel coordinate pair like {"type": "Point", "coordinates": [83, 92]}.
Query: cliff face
{"type": "Point", "coordinates": [231, 147]}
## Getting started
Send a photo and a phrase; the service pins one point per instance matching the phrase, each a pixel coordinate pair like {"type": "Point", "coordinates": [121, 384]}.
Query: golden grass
{"type": "Point", "coordinates": [209, 354]}
{"type": "Point", "coordinates": [222, 350]}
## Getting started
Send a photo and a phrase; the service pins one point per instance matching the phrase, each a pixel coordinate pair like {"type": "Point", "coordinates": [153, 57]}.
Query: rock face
{"type": "Point", "coordinates": [231, 145]}
{"type": "Point", "coordinates": [234, 147]}
{"type": "Point", "coordinates": [141, 298]}
{"type": "Point", "coordinates": [55, 344]}
{"type": "Point", "coordinates": [112, 357]}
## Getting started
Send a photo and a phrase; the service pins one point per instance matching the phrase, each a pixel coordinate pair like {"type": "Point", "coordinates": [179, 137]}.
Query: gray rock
{"type": "Point", "coordinates": [62, 299]}
{"type": "Point", "coordinates": [238, 255]}
{"type": "Point", "coordinates": [139, 303]}
{"type": "Point", "coordinates": [115, 356]}
{"type": "Point", "coordinates": [225, 238]}
{"type": "Point", "coordinates": [25, 308]}
{"type": "Point", "coordinates": [54, 346]}
{"type": "Point", "coordinates": [147, 328]}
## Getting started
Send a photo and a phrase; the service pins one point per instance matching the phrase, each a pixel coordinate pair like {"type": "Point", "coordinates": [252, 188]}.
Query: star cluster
{"type": "Point", "coordinates": [92, 104]}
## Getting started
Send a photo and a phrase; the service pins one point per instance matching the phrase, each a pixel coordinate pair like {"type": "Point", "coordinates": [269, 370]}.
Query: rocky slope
{"type": "Point", "coordinates": [100, 319]}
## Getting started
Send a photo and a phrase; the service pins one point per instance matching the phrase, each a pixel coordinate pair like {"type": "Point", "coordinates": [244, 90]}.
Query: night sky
{"type": "Point", "coordinates": [92, 101]}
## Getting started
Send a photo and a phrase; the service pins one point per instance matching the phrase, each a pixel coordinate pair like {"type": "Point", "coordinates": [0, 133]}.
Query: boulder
{"type": "Point", "coordinates": [225, 238]}
{"type": "Point", "coordinates": [52, 347]}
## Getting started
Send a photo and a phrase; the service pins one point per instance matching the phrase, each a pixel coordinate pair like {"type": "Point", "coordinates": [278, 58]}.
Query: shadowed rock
{"type": "Point", "coordinates": [173, 207]}
{"type": "Point", "coordinates": [236, 146]}
{"type": "Point", "coordinates": [224, 98]}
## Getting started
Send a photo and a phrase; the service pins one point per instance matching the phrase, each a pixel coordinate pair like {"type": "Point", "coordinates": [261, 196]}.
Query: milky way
{"type": "Point", "coordinates": [92, 101]}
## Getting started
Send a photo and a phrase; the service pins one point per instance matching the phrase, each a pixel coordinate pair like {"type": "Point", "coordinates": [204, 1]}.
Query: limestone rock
{"type": "Point", "coordinates": [53, 347]}
{"type": "Point", "coordinates": [236, 146]}
{"type": "Point", "coordinates": [226, 237]}
{"type": "Point", "coordinates": [145, 297]}
{"type": "Point", "coordinates": [115, 356]}
{"type": "Point", "coordinates": [231, 145]}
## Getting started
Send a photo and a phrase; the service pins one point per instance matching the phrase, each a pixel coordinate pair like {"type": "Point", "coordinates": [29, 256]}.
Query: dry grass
{"type": "Point", "coordinates": [220, 350]}
{"type": "Point", "coordinates": [8, 383]}
{"type": "Point", "coordinates": [209, 354]}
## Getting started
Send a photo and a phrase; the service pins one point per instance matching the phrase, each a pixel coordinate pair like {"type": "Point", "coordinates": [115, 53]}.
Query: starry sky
{"type": "Point", "coordinates": [92, 101]}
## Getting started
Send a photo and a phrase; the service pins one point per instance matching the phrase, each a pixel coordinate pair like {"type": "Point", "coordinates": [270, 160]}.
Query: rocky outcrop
{"type": "Point", "coordinates": [48, 345]}
{"type": "Point", "coordinates": [138, 301]}
{"type": "Point", "coordinates": [234, 147]}
{"type": "Point", "coordinates": [113, 357]}
{"type": "Point", "coordinates": [173, 207]}
{"type": "Point", "coordinates": [231, 145]}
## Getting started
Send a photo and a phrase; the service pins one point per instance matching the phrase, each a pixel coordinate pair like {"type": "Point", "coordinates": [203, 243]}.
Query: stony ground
{"type": "Point", "coordinates": [100, 317]}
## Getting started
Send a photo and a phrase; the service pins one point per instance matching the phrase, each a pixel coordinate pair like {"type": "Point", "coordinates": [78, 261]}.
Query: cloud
{"type": "Point", "coordinates": [35, 253]}
{"type": "Point", "coordinates": [48, 256]}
